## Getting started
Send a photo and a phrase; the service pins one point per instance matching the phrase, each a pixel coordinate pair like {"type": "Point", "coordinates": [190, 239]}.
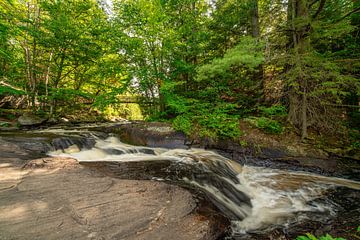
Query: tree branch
{"type": "Point", "coordinates": [312, 3]}
{"type": "Point", "coordinates": [321, 7]}
{"type": "Point", "coordinates": [348, 14]}
{"type": "Point", "coordinates": [10, 86]}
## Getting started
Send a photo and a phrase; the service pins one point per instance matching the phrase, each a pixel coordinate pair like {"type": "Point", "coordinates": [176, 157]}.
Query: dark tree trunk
{"type": "Point", "coordinates": [254, 13]}
{"type": "Point", "coordinates": [255, 33]}
{"type": "Point", "coordinates": [299, 43]}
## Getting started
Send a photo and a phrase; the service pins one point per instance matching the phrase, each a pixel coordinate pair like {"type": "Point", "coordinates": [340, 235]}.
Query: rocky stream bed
{"type": "Point", "coordinates": [44, 197]}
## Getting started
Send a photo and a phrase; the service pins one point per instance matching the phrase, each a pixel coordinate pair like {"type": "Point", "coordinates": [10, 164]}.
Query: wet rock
{"type": "Point", "coordinates": [113, 151]}
{"type": "Point", "coordinates": [161, 129]}
{"type": "Point", "coordinates": [151, 135]}
{"type": "Point", "coordinates": [72, 149]}
{"type": "Point", "coordinates": [4, 129]}
{"type": "Point", "coordinates": [74, 202]}
{"type": "Point", "coordinates": [53, 121]}
{"type": "Point", "coordinates": [147, 151]}
{"type": "Point", "coordinates": [27, 120]}
{"type": "Point", "coordinates": [80, 142]}
{"type": "Point", "coordinates": [64, 120]}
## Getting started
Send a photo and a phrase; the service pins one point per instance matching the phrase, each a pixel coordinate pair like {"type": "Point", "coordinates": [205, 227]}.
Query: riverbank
{"type": "Point", "coordinates": [253, 148]}
{"type": "Point", "coordinates": [253, 140]}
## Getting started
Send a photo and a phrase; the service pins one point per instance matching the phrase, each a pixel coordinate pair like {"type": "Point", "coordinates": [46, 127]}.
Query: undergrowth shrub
{"type": "Point", "coordinates": [183, 124]}
{"type": "Point", "coordinates": [275, 110]}
{"type": "Point", "coordinates": [266, 124]}
{"type": "Point", "coordinates": [205, 120]}
{"type": "Point", "coordinates": [312, 237]}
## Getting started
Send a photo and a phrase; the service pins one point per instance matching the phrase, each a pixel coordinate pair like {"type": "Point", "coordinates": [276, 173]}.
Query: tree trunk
{"type": "Point", "coordinates": [304, 116]}
{"type": "Point", "coordinates": [31, 51]}
{"type": "Point", "coordinates": [47, 76]}
{"type": "Point", "coordinates": [57, 81]}
{"type": "Point", "coordinates": [254, 13]}
{"type": "Point", "coordinates": [299, 43]}
{"type": "Point", "coordinates": [255, 33]}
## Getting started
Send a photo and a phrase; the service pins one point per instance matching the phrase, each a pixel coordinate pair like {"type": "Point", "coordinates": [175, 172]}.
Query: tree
{"type": "Point", "coordinates": [71, 37]}
{"type": "Point", "coordinates": [10, 57]}
{"type": "Point", "coordinates": [315, 82]}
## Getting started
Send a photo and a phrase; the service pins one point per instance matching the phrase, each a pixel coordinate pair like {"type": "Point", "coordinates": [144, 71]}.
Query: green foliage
{"type": "Point", "coordinates": [324, 85]}
{"type": "Point", "coordinates": [176, 103]}
{"type": "Point", "coordinates": [10, 91]}
{"type": "Point", "coordinates": [11, 116]}
{"type": "Point", "coordinates": [243, 58]}
{"type": "Point", "coordinates": [232, 78]}
{"type": "Point", "coordinates": [266, 124]}
{"type": "Point", "coordinates": [354, 136]}
{"type": "Point", "coordinates": [243, 143]}
{"type": "Point", "coordinates": [68, 94]}
{"type": "Point", "coordinates": [207, 120]}
{"type": "Point", "coordinates": [275, 110]}
{"type": "Point", "coordinates": [183, 124]}
{"type": "Point", "coordinates": [130, 111]}
{"type": "Point", "coordinates": [191, 61]}
{"type": "Point", "coordinates": [109, 98]}
{"type": "Point", "coordinates": [228, 29]}
{"type": "Point", "coordinates": [4, 124]}
{"type": "Point", "coordinates": [218, 125]}
{"type": "Point", "coordinates": [309, 236]}
{"type": "Point", "coordinates": [54, 51]}
{"type": "Point", "coordinates": [208, 125]}
{"type": "Point", "coordinates": [225, 91]}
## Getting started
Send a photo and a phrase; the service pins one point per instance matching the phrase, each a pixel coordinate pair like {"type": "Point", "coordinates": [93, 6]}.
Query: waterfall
{"type": "Point", "coordinates": [253, 198]}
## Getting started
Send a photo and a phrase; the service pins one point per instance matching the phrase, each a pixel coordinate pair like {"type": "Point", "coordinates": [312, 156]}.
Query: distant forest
{"type": "Point", "coordinates": [203, 65]}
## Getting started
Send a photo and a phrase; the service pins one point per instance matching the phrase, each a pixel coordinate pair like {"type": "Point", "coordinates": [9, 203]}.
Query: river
{"type": "Point", "coordinates": [254, 199]}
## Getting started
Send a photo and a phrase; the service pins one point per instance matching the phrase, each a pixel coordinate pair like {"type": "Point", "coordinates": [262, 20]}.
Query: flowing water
{"type": "Point", "coordinates": [253, 198]}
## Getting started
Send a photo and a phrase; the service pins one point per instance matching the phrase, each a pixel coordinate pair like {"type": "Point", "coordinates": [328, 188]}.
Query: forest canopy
{"type": "Point", "coordinates": [201, 64]}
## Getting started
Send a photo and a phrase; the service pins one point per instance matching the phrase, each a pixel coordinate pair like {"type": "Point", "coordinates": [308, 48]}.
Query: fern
{"type": "Point", "coordinates": [309, 236]}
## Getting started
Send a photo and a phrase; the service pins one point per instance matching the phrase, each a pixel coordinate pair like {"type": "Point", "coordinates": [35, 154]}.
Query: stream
{"type": "Point", "coordinates": [254, 199]}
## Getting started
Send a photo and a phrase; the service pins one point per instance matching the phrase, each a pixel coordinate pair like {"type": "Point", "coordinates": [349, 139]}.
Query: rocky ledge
{"type": "Point", "coordinates": [254, 148]}
{"type": "Point", "coordinates": [56, 198]}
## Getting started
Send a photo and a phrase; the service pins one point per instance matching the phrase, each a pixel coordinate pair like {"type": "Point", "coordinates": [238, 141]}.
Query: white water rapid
{"type": "Point", "coordinates": [254, 198]}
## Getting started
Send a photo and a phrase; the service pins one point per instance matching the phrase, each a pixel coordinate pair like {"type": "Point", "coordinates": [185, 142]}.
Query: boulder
{"type": "Point", "coordinates": [30, 120]}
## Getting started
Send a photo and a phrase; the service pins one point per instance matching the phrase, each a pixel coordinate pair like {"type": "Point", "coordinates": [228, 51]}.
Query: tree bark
{"type": "Point", "coordinates": [254, 13]}
{"type": "Point", "coordinates": [299, 10]}
{"type": "Point", "coordinates": [255, 33]}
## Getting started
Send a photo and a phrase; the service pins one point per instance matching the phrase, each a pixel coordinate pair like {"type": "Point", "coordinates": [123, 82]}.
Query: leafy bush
{"type": "Point", "coordinates": [275, 110]}
{"type": "Point", "coordinates": [207, 120]}
{"type": "Point", "coordinates": [65, 94]}
{"type": "Point", "coordinates": [130, 111]}
{"type": "Point", "coordinates": [233, 77]}
{"type": "Point", "coordinates": [355, 139]}
{"type": "Point", "coordinates": [11, 116]}
{"type": "Point", "coordinates": [219, 125]}
{"type": "Point", "coordinates": [223, 90]}
{"type": "Point", "coordinates": [247, 55]}
{"type": "Point", "coordinates": [10, 90]}
{"type": "Point", "coordinates": [182, 123]}
{"type": "Point", "coordinates": [267, 124]}
{"type": "Point", "coordinates": [208, 125]}
{"type": "Point", "coordinates": [312, 237]}
{"type": "Point", "coordinates": [4, 124]}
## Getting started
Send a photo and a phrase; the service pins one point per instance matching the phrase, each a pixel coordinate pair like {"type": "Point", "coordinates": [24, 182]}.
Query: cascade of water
{"type": "Point", "coordinates": [252, 197]}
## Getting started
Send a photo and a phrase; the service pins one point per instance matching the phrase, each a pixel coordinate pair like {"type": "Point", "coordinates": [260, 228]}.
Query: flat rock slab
{"type": "Point", "coordinates": [56, 198]}
{"type": "Point", "coordinates": [30, 120]}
